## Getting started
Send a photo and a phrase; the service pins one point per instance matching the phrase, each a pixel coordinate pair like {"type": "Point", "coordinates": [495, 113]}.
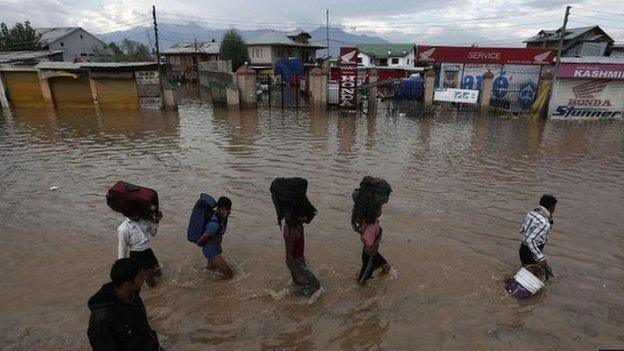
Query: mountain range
{"type": "Point", "coordinates": [170, 34]}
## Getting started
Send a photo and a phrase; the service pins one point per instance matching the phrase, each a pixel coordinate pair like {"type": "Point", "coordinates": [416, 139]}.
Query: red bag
{"type": "Point", "coordinates": [129, 199]}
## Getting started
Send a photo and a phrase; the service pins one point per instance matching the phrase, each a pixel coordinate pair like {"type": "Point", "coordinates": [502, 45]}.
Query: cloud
{"type": "Point", "coordinates": [424, 21]}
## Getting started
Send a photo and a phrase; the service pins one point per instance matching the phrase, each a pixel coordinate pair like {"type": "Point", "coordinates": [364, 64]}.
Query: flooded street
{"type": "Point", "coordinates": [462, 185]}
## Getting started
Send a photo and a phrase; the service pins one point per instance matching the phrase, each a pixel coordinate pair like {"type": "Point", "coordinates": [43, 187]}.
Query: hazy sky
{"type": "Point", "coordinates": [423, 21]}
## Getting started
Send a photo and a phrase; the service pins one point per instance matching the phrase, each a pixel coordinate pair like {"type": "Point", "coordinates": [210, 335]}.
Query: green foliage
{"type": "Point", "coordinates": [126, 51]}
{"type": "Point", "coordinates": [22, 37]}
{"type": "Point", "coordinates": [233, 48]}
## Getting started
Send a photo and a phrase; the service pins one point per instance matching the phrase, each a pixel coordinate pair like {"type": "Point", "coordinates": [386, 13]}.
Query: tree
{"type": "Point", "coordinates": [126, 51]}
{"type": "Point", "coordinates": [233, 48]}
{"type": "Point", "coordinates": [22, 37]}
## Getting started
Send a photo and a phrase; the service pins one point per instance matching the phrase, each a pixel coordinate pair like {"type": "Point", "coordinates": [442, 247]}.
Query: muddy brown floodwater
{"type": "Point", "coordinates": [462, 185]}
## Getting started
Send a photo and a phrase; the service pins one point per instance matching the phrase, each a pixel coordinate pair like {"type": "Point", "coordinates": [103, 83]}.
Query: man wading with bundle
{"type": "Point", "coordinates": [535, 231]}
{"type": "Point", "coordinates": [368, 199]}
{"type": "Point", "coordinates": [292, 205]}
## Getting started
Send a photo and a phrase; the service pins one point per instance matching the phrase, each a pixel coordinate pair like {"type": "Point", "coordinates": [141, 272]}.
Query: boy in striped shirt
{"type": "Point", "coordinates": [535, 231]}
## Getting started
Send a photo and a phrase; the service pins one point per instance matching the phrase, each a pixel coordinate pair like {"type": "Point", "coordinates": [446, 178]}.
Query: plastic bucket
{"type": "Point", "coordinates": [524, 284]}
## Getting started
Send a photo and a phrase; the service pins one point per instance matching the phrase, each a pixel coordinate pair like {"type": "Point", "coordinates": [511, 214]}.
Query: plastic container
{"type": "Point", "coordinates": [524, 284]}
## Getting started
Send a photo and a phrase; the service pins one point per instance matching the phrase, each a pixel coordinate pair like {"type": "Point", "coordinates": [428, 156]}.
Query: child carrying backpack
{"type": "Point", "coordinates": [368, 199]}
{"type": "Point", "coordinates": [207, 225]}
{"type": "Point", "coordinates": [293, 206]}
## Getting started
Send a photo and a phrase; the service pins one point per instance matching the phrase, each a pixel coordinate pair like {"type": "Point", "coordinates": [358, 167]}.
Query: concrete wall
{"type": "Point", "coordinates": [71, 92]}
{"type": "Point", "coordinates": [77, 44]}
{"type": "Point", "coordinates": [23, 89]}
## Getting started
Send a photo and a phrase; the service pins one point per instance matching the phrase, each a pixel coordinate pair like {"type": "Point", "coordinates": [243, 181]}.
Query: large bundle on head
{"type": "Point", "coordinates": [290, 200]}
{"type": "Point", "coordinates": [368, 199]}
{"type": "Point", "coordinates": [133, 200]}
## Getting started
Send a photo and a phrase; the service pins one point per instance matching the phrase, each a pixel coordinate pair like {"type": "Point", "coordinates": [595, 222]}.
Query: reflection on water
{"type": "Point", "coordinates": [462, 183]}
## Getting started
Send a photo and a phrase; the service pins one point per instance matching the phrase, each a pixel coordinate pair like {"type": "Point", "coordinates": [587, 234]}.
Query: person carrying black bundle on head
{"type": "Point", "coordinates": [368, 199]}
{"type": "Point", "coordinates": [293, 206]}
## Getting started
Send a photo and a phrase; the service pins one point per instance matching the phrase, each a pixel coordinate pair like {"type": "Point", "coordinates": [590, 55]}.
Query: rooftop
{"type": "Point", "coordinates": [21, 56]}
{"type": "Point", "coordinates": [192, 47]}
{"type": "Point", "coordinates": [571, 34]}
{"type": "Point", "coordinates": [52, 34]}
{"type": "Point", "coordinates": [386, 50]}
{"type": "Point", "coordinates": [593, 59]}
{"type": "Point", "coordinates": [283, 38]}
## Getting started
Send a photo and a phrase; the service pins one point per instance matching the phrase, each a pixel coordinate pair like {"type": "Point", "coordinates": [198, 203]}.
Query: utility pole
{"type": "Point", "coordinates": [562, 34]}
{"type": "Point", "coordinates": [327, 31]}
{"type": "Point", "coordinates": [157, 49]}
{"type": "Point", "coordinates": [195, 45]}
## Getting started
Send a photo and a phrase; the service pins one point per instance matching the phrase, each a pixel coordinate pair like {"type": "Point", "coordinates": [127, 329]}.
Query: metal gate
{"type": "Point", "coordinates": [515, 99]}
{"type": "Point", "coordinates": [273, 92]}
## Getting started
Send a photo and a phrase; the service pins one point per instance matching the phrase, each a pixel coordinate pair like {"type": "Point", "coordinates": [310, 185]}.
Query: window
{"type": "Point", "coordinates": [62, 44]}
{"type": "Point", "coordinates": [395, 61]}
{"type": "Point", "coordinates": [174, 60]}
{"type": "Point", "coordinates": [359, 60]}
{"type": "Point", "coordinates": [408, 62]}
{"type": "Point", "coordinates": [383, 62]}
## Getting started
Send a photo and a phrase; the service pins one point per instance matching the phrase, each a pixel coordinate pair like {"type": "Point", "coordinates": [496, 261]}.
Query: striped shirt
{"type": "Point", "coordinates": [535, 230]}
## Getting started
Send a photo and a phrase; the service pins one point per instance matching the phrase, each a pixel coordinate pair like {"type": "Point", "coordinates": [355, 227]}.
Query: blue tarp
{"type": "Point", "coordinates": [410, 89]}
{"type": "Point", "coordinates": [287, 68]}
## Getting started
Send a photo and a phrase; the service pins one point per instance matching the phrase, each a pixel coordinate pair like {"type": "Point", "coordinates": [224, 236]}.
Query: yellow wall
{"type": "Point", "coordinates": [71, 92]}
{"type": "Point", "coordinates": [117, 93]}
{"type": "Point", "coordinates": [23, 89]}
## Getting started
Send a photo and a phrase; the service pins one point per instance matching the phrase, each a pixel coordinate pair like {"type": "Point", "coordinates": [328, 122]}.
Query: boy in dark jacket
{"type": "Point", "coordinates": [118, 320]}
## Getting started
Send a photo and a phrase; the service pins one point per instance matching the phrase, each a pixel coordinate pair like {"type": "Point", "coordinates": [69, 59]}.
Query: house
{"type": "Point", "coordinates": [183, 58]}
{"type": "Point", "coordinates": [386, 55]}
{"type": "Point", "coordinates": [76, 43]}
{"type": "Point", "coordinates": [582, 41]}
{"type": "Point", "coordinates": [266, 49]}
{"type": "Point", "coordinates": [616, 50]}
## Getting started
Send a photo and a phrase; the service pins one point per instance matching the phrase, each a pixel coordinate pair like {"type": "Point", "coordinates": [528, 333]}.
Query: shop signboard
{"type": "Point", "coordinates": [482, 55]}
{"type": "Point", "coordinates": [450, 75]}
{"type": "Point", "coordinates": [465, 96]}
{"type": "Point", "coordinates": [580, 99]}
{"type": "Point", "coordinates": [591, 71]}
{"type": "Point", "coordinates": [347, 96]}
{"type": "Point", "coordinates": [473, 75]}
{"type": "Point", "coordinates": [146, 77]}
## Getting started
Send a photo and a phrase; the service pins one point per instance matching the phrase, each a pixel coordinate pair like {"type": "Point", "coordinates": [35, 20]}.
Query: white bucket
{"type": "Point", "coordinates": [529, 281]}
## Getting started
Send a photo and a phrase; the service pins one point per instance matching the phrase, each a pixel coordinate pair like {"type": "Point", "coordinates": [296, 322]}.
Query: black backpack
{"type": "Point", "coordinates": [290, 200]}
{"type": "Point", "coordinates": [368, 199]}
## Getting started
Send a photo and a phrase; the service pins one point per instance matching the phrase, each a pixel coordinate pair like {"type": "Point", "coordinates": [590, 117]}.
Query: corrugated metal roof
{"type": "Point", "coordinates": [189, 48]}
{"type": "Point", "coordinates": [386, 50]}
{"type": "Point", "coordinates": [15, 56]}
{"type": "Point", "coordinates": [59, 65]}
{"type": "Point", "coordinates": [52, 34]}
{"type": "Point", "coordinates": [281, 38]}
{"type": "Point", "coordinates": [552, 35]}
{"type": "Point", "coordinates": [80, 65]}
{"type": "Point", "coordinates": [593, 59]}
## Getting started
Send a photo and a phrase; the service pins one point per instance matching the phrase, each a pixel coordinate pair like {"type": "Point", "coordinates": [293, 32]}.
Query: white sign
{"type": "Point", "coordinates": [147, 77]}
{"type": "Point", "coordinates": [581, 99]}
{"type": "Point", "coordinates": [150, 103]}
{"type": "Point", "coordinates": [464, 96]}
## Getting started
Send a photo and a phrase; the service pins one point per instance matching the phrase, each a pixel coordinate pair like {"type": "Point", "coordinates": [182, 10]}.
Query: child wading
{"type": "Point", "coordinates": [292, 205]}
{"type": "Point", "coordinates": [368, 199]}
{"type": "Point", "coordinates": [140, 207]}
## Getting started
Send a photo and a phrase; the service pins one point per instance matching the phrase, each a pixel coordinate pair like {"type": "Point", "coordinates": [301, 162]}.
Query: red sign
{"type": "Point", "coordinates": [591, 71]}
{"type": "Point", "coordinates": [465, 54]}
{"type": "Point", "coordinates": [347, 98]}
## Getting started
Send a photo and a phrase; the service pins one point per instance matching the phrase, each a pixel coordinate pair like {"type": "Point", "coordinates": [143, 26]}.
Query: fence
{"type": "Point", "coordinates": [273, 92]}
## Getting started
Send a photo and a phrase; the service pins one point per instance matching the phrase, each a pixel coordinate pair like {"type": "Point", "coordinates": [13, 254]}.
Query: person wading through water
{"type": "Point", "coordinates": [535, 230]}
{"type": "Point", "coordinates": [207, 225]}
{"type": "Point", "coordinates": [368, 199]}
{"type": "Point", "coordinates": [118, 319]}
{"type": "Point", "coordinates": [293, 206]}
